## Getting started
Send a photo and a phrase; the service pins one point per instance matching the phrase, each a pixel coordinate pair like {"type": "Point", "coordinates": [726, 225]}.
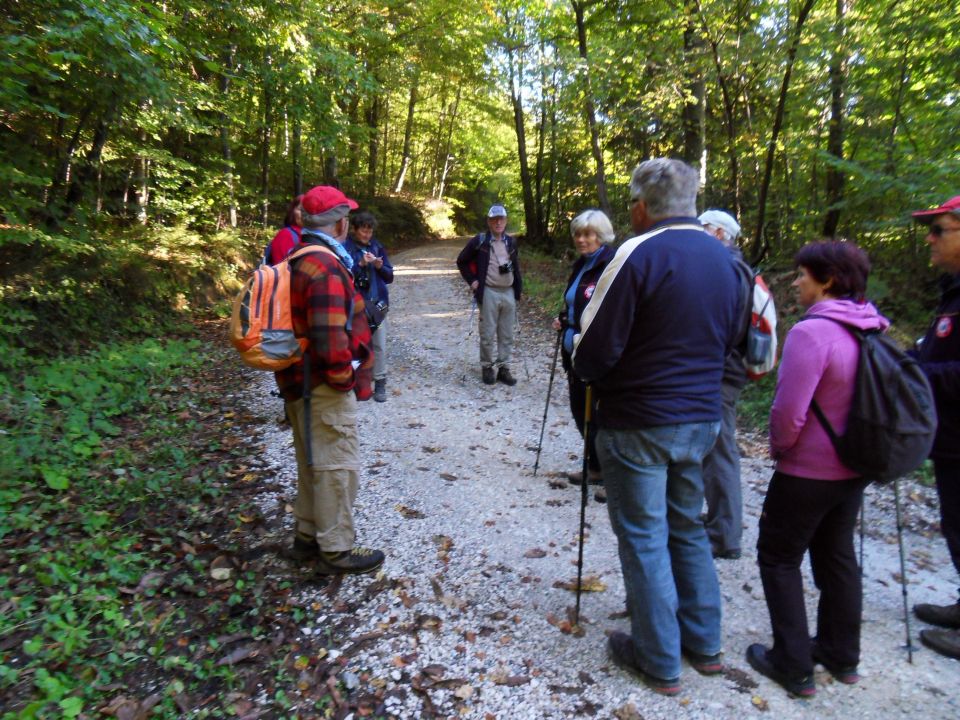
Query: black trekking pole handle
{"type": "Point", "coordinates": [583, 498]}
{"type": "Point", "coordinates": [543, 424]}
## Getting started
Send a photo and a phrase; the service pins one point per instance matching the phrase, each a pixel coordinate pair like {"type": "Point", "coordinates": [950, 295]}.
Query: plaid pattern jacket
{"type": "Point", "coordinates": [321, 290]}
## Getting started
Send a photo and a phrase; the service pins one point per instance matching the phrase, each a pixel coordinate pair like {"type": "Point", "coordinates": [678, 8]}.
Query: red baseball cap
{"type": "Point", "coordinates": [926, 216]}
{"type": "Point", "coordinates": [323, 198]}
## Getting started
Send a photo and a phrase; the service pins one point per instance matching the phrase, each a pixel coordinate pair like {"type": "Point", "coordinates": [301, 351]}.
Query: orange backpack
{"type": "Point", "coordinates": [261, 326]}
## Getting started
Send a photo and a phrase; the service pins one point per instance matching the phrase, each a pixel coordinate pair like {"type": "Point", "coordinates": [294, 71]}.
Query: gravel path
{"type": "Point", "coordinates": [466, 617]}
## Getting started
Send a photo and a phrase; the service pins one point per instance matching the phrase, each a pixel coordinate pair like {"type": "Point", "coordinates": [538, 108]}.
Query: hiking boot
{"type": "Point", "coordinates": [704, 664]}
{"type": "Point", "coordinates": [846, 674]}
{"type": "Point", "coordinates": [357, 561]}
{"type": "Point", "coordinates": [945, 642]}
{"type": "Point", "coordinates": [621, 650]}
{"type": "Point", "coordinates": [593, 478]}
{"type": "Point", "coordinates": [304, 548]}
{"type": "Point", "coordinates": [380, 390]}
{"type": "Point", "coordinates": [800, 685]}
{"type": "Point", "coordinates": [947, 616]}
{"type": "Point", "coordinates": [488, 377]}
{"type": "Point", "coordinates": [504, 376]}
{"type": "Point", "coordinates": [600, 495]}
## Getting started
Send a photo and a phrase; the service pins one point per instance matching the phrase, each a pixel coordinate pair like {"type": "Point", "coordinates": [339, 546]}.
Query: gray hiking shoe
{"type": "Point", "coordinates": [380, 390]}
{"type": "Point", "coordinates": [357, 561]}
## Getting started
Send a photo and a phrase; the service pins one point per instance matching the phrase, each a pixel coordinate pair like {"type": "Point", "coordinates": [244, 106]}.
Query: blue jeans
{"type": "Point", "coordinates": [654, 483]}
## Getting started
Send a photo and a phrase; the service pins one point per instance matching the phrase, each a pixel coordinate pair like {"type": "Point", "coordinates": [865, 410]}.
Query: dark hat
{"type": "Point", "coordinates": [926, 216]}
{"type": "Point", "coordinates": [323, 198]}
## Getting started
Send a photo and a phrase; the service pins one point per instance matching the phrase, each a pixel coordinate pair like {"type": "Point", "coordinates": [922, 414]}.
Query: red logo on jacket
{"type": "Point", "coordinates": [944, 327]}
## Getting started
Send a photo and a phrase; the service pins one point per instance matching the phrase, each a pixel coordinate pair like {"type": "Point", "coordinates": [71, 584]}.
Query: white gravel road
{"type": "Point", "coordinates": [464, 619]}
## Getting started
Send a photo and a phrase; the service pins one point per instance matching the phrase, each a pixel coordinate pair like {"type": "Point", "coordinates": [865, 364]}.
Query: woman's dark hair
{"type": "Point", "coordinates": [289, 219]}
{"type": "Point", "coordinates": [364, 218]}
{"type": "Point", "coordinates": [838, 260]}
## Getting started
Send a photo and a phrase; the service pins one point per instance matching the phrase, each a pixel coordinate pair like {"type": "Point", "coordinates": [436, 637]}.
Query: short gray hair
{"type": "Point", "coordinates": [326, 219]}
{"type": "Point", "coordinates": [595, 220]}
{"type": "Point", "coordinates": [669, 188]}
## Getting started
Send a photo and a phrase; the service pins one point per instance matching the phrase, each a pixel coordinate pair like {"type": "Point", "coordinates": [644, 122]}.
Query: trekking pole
{"type": "Point", "coordinates": [862, 512]}
{"type": "Point", "coordinates": [553, 371]}
{"type": "Point", "coordinates": [466, 341]}
{"type": "Point", "coordinates": [583, 497]}
{"type": "Point", "coordinates": [903, 569]}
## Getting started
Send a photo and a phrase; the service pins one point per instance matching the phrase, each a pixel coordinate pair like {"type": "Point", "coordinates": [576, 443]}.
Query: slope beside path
{"type": "Point", "coordinates": [466, 617]}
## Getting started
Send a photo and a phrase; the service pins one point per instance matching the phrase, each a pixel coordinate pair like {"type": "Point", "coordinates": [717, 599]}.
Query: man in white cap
{"type": "Point", "coordinates": [939, 356]}
{"type": "Point", "coordinates": [490, 265]}
{"type": "Point", "coordinates": [721, 466]}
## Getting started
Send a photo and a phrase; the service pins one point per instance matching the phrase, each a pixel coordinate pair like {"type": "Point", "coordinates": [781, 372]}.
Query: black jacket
{"type": "Point", "coordinates": [475, 258]}
{"type": "Point", "coordinates": [584, 292]}
{"type": "Point", "coordinates": [939, 356]}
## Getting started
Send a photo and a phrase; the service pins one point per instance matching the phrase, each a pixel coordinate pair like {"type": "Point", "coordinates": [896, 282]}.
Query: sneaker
{"type": "Point", "coordinates": [945, 642]}
{"type": "Point", "coordinates": [621, 650]}
{"type": "Point", "coordinates": [380, 390]}
{"type": "Point", "coordinates": [488, 377]}
{"type": "Point", "coordinates": [846, 674]}
{"type": "Point", "coordinates": [947, 616]}
{"type": "Point", "coordinates": [600, 495]}
{"type": "Point", "coordinates": [704, 664]}
{"type": "Point", "coordinates": [504, 376]}
{"type": "Point", "coordinates": [593, 478]}
{"type": "Point", "coordinates": [304, 548]}
{"type": "Point", "coordinates": [357, 561]}
{"type": "Point", "coordinates": [801, 685]}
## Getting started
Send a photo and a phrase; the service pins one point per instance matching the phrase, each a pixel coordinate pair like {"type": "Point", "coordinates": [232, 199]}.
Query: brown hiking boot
{"type": "Point", "coordinates": [593, 478]}
{"type": "Point", "coordinates": [304, 549]}
{"type": "Point", "coordinates": [947, 616]}
{"type": "Point", "coordinates": [357, 561]}
{"type": "Point", "coordinates": [945, 642]}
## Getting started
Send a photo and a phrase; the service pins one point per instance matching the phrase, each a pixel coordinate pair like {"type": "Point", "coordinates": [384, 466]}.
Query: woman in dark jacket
{"type": "Point", "coordinates": [592, 235]}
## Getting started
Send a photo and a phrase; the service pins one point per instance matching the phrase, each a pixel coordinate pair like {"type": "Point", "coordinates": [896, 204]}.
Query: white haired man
{"type": "Point", "coordinates": [653, 341]}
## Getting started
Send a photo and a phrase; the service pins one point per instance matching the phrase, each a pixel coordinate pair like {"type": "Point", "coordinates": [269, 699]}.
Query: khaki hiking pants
{"type": "Point", "coordinates": [326, 491]}
{"type": "Point", "coordinates": [498, 316]}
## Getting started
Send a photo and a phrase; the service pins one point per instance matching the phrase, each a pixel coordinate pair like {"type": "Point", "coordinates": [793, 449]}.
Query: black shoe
{"type": "Point", "coordinates": [350, 562]}
{"type": "Point", "coordinates": [600, 495]}
{"type": "Point", "coordinates": [846, 674]}
{"type": "Point", "coordinates": [488, 377]}
{"type": "Point", "coordinates": [945, 642]}
{"type": "Point", "coordinates": [802, 685]}
{"type": "Point", "coordinates": [621, 650]}
{"type": "Point", "coordinates": [704, 664]}
{"type": "Point", "coordinates": [593, 478]}
{"type": "Point", "coordinates": [504, 376]}
{"type": "Point", "coordinates": [304, 548]}
{"type": "Point", "coordinates": [380, 390]}
{"type": "Point", "coordinates": [727, 554]}
{"type": "Point", "coordinates": [947, 616]}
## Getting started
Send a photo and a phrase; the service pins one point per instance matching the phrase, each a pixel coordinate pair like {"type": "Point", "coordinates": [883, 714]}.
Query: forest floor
{"type": "Point", "coordinates": [469, 615]}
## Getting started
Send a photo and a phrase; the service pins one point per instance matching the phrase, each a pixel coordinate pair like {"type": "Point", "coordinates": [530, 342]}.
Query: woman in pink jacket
{"type": "Point", "coordinates": [813, 498]}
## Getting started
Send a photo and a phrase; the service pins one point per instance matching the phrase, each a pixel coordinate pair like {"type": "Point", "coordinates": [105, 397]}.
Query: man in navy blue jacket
{"type": "Point", "coordinates": [652, 345]}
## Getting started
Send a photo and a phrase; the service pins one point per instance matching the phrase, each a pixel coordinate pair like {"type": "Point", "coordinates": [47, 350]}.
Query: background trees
{"type": "Point", "coordinates": [805, 117]}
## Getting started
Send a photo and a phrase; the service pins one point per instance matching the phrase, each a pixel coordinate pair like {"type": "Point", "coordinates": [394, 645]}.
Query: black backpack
{"type": "Point", "coordinates": [892, 419]}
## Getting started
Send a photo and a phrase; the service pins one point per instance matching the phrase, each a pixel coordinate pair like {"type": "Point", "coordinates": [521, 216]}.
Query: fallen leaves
{"type": "Point", "coordinates": [408, 512]}
{"type": "Point", "coordinates": [535, 553]}
{"type": "Point", "coordinates": [246, 652]}
{"type": "Point", "coordinates": [565, 626]}
{"type": "Point", "coordinates": [591, 583]}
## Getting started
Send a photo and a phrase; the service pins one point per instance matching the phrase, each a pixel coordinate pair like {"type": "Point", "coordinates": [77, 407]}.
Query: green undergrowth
{"type": "Point", "coordinates": [106, 467]}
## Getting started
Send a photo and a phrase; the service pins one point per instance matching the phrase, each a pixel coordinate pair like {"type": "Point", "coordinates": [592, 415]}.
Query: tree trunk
{"type": "Point", "coordinates": [226, 152]}
{"type": "Point", "coordinates": [761, 244]}
{"type": "Point", "coordinates": [87, 170]}
{"type": "Point", "coordinates": [589, 112]}
{"type": "Point", "coordinates": [447, 157]}
{"type": "Point", "coordinates": [373, 144]}
{"type": "Point", "coordinates": [407, 133]}
{"type": "Point", "coordinates": [694, 111]}
{"type": "Point", "coordinates": [297, 156]}
{"type": "Point", "coordinates": [836, 178]}
{"type": "Point", "coordinates": [265, 134]}
{"type": "Point", "coordinates": [516, 71]}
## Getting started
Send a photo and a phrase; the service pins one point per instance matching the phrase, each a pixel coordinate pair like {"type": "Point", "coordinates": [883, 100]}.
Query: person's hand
{"type": "Point", "coordinates": [475, 284]}
{"type": "Point", "coordinates": [556, 323]}
{"type": "Point", "coordinates": [378, 262]}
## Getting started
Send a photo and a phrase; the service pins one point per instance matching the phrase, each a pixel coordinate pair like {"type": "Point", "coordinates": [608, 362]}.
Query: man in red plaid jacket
{"type": "Point", "coordinates": [321, 392]}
